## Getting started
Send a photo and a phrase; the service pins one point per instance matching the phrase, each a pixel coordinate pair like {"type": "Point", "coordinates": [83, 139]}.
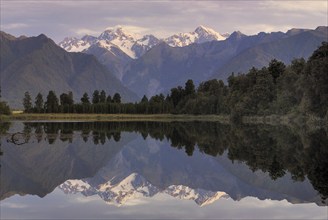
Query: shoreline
{"type": "Point", "coordinates": [114, 117]}
{"type": "Point", "coordinates": [286, 120]}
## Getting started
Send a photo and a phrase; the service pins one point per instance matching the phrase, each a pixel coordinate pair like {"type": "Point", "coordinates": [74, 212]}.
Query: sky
{"type": "Point", "coordinates": [62, 18]}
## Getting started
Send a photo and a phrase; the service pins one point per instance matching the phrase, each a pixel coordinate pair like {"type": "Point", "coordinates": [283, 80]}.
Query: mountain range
{"type": "Point", "coordinates": [135, 65]}
{"type": "Point", "coordinates": [117, 46]}
{"type": "Point", "coordinates": [135, 45]}
{"type": "Point", "coordinates": [149, 65]}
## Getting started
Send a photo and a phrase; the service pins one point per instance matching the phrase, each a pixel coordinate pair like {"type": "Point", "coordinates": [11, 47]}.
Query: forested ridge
{"type": "Point", "coordinates": [301, 87]}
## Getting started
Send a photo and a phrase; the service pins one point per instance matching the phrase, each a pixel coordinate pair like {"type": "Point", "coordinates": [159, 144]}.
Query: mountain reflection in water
{"type": "Point", "coordinates": [200, 161]}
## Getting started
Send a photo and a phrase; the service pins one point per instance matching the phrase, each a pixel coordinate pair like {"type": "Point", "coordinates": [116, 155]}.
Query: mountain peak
{"type": "Point", "coordinates": [201, 29]}
{"type": "Point", "coordinates": [236, 35]}
{"type": "Point", "coordinates": [73, 44]}
{"type": "Point", "coordinates": [207, 34]}
{"type": "Point", "coordinates": [88, 38]}
{"type": "Point", "coordinates": [119, 32]}
{"type": "Point", "coordinates": [201, 34]}
{"type": "Point", "coordinates": [4, 35]}
{"type": "Point", "coordinates": [42, 36]}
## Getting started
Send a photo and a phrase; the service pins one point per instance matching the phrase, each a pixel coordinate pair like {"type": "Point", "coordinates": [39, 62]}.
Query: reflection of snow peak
{"type": "Point", "coordinates": [200, 196]}
{"type": "Point", "coordinates": [135, 186]}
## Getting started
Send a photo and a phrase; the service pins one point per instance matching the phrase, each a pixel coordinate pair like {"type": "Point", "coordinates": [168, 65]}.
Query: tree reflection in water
{"type": "Point", "coordinates": [273, 149]}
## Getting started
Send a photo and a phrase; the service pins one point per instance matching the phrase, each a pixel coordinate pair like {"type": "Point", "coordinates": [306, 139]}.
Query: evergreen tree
{"type": "Point", "coordinates": [52, 103]}
{"type": "Point", "coordinates": [39, 103]}
{"type": "Point", "coordinates": [27, 102]}
{"type": "Point", "coordinates": [95, 97]}
{"type": "Point", "coordinates": [66, 99]}
{"type": "Point", "coordinates": [176, 95]}
{"type": "Point", "coordinates": [85, 99]}
{"type": "Point", "coordinates": [276, 69]}
{"type": "Point", "coordinates": [298, 65]}
{"type": "Point", "coordinates": [117, 98]}
{"type": "Point", "coordinates": [144, 99]}
{"type": "Point", "coordinates": [109, 99]}
{"type": "Point", "coordinates": [102, 97]}
{"type": "Point", "coordinates": [189, 87]}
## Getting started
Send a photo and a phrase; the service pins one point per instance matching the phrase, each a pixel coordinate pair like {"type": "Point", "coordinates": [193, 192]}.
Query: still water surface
{"type": "Point", "coordinates": [162, 170]}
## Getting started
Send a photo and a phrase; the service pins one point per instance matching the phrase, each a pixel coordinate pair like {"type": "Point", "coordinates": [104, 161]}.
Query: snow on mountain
{"type": "Point", "coordinates": [200, 196]}
{"type": "Point", "coordinates": [132, 187]}
{"type": "Point", "coordinates": [74, 186]}
{"type": "Point", "coordinates": [142, 45]}
{"type": "Point", "coordinates": [135, 45]}
{"type": "Point", "coordinates": [200, 35]}
{"type": "Point", "coordinates": [72, 44]}
{"type": "Point", "coordinates": [119, 34]}
{"type": "Point", "coordinates": [121, 38]}
{"type": "Point", "coordinates": [136, 186]}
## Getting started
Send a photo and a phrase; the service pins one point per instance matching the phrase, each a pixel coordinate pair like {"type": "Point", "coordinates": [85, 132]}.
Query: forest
{"type": "Point", "coordinates": [301, 88]}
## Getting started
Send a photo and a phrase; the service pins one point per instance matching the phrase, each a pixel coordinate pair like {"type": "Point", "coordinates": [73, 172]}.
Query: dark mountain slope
{"type": "Point", "coordinates": [297, 44]}
{"type": "Point", "coordinates": [37, 64]}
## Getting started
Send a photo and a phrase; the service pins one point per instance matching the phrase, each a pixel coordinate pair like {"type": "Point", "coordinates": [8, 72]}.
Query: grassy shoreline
{"type": "Point", "coordinates": [287, 120]}
{"type": "Point", "coordinates": [116, 117]}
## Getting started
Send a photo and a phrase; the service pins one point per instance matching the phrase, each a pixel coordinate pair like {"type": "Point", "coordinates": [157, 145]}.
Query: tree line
{"type": "Point", "coordinates": [301, 87]}
{"type": "Point", "coordinates": [65, 103]}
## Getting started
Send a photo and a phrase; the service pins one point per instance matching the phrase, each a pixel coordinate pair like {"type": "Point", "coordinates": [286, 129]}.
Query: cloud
{"type": "Point", "coordinates": [86, 31]}
{"type": "Point", "coordinates": [85, 199]}
{"type": "Point", "coordinates": [132, 28]}
{"type": "Point", "coordinates": [298, 6]}
{"type": "Point", "coordinates": [14, 205]}
{"type": "Point", "coordinates": [59, 19]}
{"type": "Point", "coordinates": [14, 26]}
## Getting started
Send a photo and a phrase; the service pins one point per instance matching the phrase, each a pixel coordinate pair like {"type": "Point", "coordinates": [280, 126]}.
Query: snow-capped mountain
{"type": "Point", "coordinates": [135, 45]}
{"type": "Point", "coordinates": [73, 44]}
{"type": "Point", "coordinates": [200, 35]}
{"type": "Point", "coordinates": [132, 44]}
{"type": "Point", "coordinates": [136, 186]}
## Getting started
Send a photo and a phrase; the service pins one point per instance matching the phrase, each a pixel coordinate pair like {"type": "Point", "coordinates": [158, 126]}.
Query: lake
{"type": "Point", "coordinates": [162, 170]}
